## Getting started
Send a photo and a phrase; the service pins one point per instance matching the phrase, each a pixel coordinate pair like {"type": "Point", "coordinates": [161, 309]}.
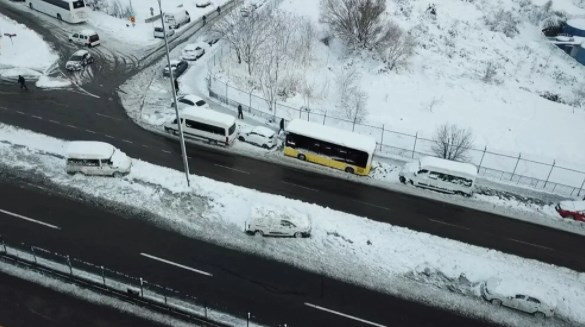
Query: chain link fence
{"type": "Point", "coordinates": [514, 169]}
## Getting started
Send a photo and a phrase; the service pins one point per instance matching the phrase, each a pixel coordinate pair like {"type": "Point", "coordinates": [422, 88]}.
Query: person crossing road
{"type": "Point", "coordinates": [22, 83]}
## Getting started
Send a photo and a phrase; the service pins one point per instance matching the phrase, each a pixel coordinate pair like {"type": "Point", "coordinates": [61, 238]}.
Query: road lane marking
{"type": "Point", "coordinates": [37, 117]}
{"type": "Point", "coordinates": [343, 315]}
{"type": "Point", "coordinates": [449, 224]}
{"type": "Point", "coordinates": [106, 116]}
{"type": "Point", "coordinates": [301, 186]}
{"type": "Point", "coordinates": [29, 219]}
{"type": "Point", "coordinates": [71, 126]}
{"type": "Point", "coordinates": [531, 244]}
{"type": "Point", "coordinates": [234, 169]}
{"type": "Point", "coordinates": [373, 205]}
{"type": "Point", "coordinates": [20, 112]}
{"type": "Point", "coordinates": [54, 122]}
{"type": "Point", "coordinates": [166, 151]}
{"type": "Point", "coordinates": [109, 136]}
{"type": "Point", "coordinates": [176, 264]}
{"type": "Point", "coordinates": [127, 141]}
{"type": "Point", "coordinates": [145, 146]}
{"type": "Point", "coordinates": [90, 131]}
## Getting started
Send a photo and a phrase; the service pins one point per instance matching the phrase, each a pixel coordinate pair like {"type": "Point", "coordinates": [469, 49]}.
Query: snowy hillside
{"type": "Point", "coordinates": [480, 64]}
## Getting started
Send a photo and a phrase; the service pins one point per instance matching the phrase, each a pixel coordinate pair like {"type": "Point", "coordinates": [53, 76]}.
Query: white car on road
{"type": "Point", "coordinates": [190, 100]}
{"type": "Point", "coordinates": [266, 220]}
{"type": "Point", "coordinates": [518, 295]}
{"type": "Point", "coordinates": [260, 136]}
{"type": "Point", "coordinates": [193, 51]}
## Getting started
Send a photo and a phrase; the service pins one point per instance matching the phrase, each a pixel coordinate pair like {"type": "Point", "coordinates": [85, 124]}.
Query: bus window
{"type": "Point", "coordinates": [315, 147]}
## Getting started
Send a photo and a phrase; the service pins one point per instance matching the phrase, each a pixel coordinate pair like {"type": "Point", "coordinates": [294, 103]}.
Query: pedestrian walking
{"type": "Point", "coordinates": [240, 112]}
{"type": "Point", "coordinates": [218, 10]}
{"type": "Point", "coordinates": [176, 86]}
{"type": "Point", "coordinates": [281, 126]}
{"type": "Point", "coordinates": [22, 83]}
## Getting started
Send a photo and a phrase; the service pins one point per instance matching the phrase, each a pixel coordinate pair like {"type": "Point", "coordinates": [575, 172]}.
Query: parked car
{"type": "Point", "coordinates": [159, 33]}
{"type": "Point", "coordinates": [202, 3]}
{"type": "Point", "coordinates": [210, 39]}
{"type": "Point", "coordinates": [193, 51]}
{"type": "Point", "coordinates": [177, 66]}
{"type": "Point", "coordinates": [516, 295]}
{"type": "Point", "coordinates": [88, 38]}
{"type": "Point", "coordinates": [190, 100]}
{"type": "Point", "coordinates": [96, 158]}
{"type": "Point", "coordinates": [265, 220]}
{"type": "Point", "coordinates": [177, 18]}
{"type": "Point", "coordinates": [572, 209]}
{"type": "Point", "coordinates": [260, 136]}
{"type": "Point", "coordinates": [78, 60]}
{"type": "Point", "coordinates": [440, 175]}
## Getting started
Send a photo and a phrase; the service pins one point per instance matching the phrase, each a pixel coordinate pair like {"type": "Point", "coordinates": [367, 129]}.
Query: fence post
{"type": "Point", "coordinates": [517, 161]}
{"type": "Point", "coordinates": [550, 172]}
{"type": "Point", "coordinates": [226, 93]}
{"type": "Point", "coordinates": [205, 306]}
{"type": "Point", "coordinates": [70, 267]}
{"type": "Point", "coordinates": [165, 294]}
{"type": "Point", "coordinates": [32, 249]}
{"type": "Point", "coordinates": [353, 127]}
{"type": "Point", "coordinates": [382, 138]}
{"type": "Point", "coordinates": [414, 147]}
{"type": "Point", "coordinates": [578, 194]}
{"type": "Point", "coordinates": [141, 287]}
{"type": "Point", "coordinates": [103, 275]}
{"type": "Point", "coordinates": [482, 155]}
{"type": "Point", "coordinates": [324, 117]}
{"type": "Point", "coordinates": [300, 112]}
{"type": "Point", "coordinates": [248, 320]}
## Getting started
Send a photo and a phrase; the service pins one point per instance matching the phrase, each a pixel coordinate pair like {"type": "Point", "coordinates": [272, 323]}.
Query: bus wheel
{"type": "Point", "coordinates": [349, 170]}
{"type": "Point", "coordinates": [402, 179]}
{"type": "Point", "coordinates": [59, 17]}
{"type": "Point", "coordinates": [302, 157]}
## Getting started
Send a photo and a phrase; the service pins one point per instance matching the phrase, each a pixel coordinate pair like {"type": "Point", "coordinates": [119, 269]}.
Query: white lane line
{"type": "Point", "coordinates": [449, 224]}
{"type": "Point", "coordinates": [234, 169]}
{"type": "Point", "coordinates": [343, 315]}
{"type": "Point", "coordinates": [71, 126]}
{"type": "Point", "coordinates": [29, 219]}
{"type": "Point", "coordinates": [373, 205]}
{"type": "Point", "coordinates": [90, 131]}
{"type": "Point", "coordinates": [301, 186]}
{"type": "Point", "coordinates": [54, 122]}
{"type": "Point", "coordinates": [127, 141]}
{"type": "Point", "coordinates": [106, 116]}
{"type": "Point", "coordinates": [20, 112]}
{"type": "Point", "coordinates": [145, 146]}
{"type": "Point", "coordinates": [176, 264]}
{"type": "Point", "coordinates": [166, 151]}
{"type": "Point", "coordinates": [37, 117]}
{"type": "Point", "coordinates": [531, 244]}
{"type": "Point", "coordinates": [109, 136]}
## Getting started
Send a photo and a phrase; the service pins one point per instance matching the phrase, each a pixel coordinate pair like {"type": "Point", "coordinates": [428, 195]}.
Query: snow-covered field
{"type": "Point", "coordinates": [445, 80]}
{"type": "Point", "coordinates": [376, 255]}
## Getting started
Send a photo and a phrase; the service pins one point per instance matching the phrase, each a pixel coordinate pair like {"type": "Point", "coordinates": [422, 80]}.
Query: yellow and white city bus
{"type": "Point", "coordinates": [329, 146]}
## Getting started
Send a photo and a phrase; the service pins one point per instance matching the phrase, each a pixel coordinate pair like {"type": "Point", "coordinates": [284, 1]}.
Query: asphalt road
{"type": "Point", "coordinates": [275, 293]}
{"type": "Point", "coordinates": [25, 304]}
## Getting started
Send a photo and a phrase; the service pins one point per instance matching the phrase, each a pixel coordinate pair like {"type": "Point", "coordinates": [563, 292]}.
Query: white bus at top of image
{"type": "Point", "coordinates": [71, 11]}
{"type": "Point", "coordinates": [206, 124]}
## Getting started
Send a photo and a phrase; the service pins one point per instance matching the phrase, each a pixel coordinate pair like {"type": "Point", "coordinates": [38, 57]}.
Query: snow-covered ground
{"type": "Point", "coordinates": [380, 256]}
{"type": "Point", "coordinates": [26, 54]}
{"type": "Point", "coordinates": [444, 81]}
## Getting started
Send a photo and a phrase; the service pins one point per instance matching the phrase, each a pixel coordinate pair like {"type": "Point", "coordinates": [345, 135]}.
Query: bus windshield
{"type": "Point", "coordinates": [78, 4]}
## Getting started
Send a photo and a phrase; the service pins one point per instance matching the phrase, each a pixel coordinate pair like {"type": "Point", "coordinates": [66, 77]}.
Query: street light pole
{"type": "Point", "coordinates": [183, 149]}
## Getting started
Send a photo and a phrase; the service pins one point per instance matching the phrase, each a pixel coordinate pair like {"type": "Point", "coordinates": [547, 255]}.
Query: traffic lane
{"type": "Point", "coordinates": [104, 238]}
{"type": "Point", "coordinates": [23, 303]}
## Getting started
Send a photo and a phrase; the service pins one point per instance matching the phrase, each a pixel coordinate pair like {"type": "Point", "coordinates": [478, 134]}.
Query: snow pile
{"type": "Point", "coordinates": [24, 54]}
{"type": "Point", "coordinates": [395, 260]}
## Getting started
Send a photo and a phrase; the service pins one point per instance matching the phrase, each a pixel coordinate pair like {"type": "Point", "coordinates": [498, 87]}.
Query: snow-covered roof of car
{"type": "Point", "coordinates": [208, 115]}
{"type": "Point", "coordinates": [296, 217]}
{"type": "Point", "coordinates": [87, 31]}
{"type": "Point", "coordinates": [174, 62]}
{"type": "Point", "coordinates": [191, 97]}
{"type": "Point", "coordinates": [332, 135]}
{"type": "Point", "coordinates": [264, 131]}
{"type": "Point", "coordinates": [449, 165]}
{"type": "Point", "coordinates": [190, 47]}
{"type": "Point", "coordinates": [572, 205]}
{"type": "Point", "coordinates": [79, 53]}
{"type": "Point", "coordinates": [89, 150]}
{"type": "Point", "coordinates": [515, 286]}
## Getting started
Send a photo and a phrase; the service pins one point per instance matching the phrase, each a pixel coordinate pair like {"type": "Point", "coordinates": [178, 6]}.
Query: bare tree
{"type": "Point", "coordinates": [356, 21]}
{"type": "Point", "coordinates": [395, 47]}
{"type": "Point", "coordinates": [352, 99]}
{"type": "Point", "coordinates": [452, 142]}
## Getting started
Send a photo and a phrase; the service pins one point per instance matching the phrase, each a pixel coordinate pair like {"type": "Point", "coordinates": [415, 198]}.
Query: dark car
{"type": "Point", "coordinates": [178, 67]}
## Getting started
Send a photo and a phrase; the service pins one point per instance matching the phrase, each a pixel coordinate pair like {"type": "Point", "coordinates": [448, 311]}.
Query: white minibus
{"type": "Point", "coordinates": [71, 11]}
{"type": "Point", "coordinates": [96, 158]}
{"type": "Point", "coordinates": [441, 175]}
{"type": "Point", "coordinates": [205, 124]}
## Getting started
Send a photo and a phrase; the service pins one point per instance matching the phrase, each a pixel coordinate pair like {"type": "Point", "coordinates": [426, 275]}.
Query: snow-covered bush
{"type": "Point", "coordinates": [352, 99]}
{"type": "Point", "coordinates": [395, 47]}
{"type": "Point", "coordinates": [452, 142]}
{"type": "Point", "coordinates": [503, 21]}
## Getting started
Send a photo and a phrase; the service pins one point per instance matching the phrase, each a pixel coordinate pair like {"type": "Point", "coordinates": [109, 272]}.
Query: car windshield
{"type": "Point", "coordinates": [76, 58]}
{"type": "Point", "coordinates": [94, 37]}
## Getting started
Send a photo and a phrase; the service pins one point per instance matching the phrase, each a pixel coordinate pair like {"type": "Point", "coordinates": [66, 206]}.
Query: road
{"type": "Point", "coordinates": [23, 304]}
{"type": "Point", "coordinates": [275, 293]}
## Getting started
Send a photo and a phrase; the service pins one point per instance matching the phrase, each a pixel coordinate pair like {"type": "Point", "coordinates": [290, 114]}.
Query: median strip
{"type": "Point", "coordinates": [29, 219]}
{"type": "Point", "coordinates": [343, 315]}
{"type": "Point", "coordinates": [176, 264]}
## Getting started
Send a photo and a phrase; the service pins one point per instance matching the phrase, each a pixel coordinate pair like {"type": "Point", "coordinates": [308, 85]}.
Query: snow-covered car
{"type": "Point", "coordinates": [517, 295]}
{"type": "Point", "coordinates": [202, 3]}
{"type": "Point", "coordinates": [177, 66]}
{"type": "Point", "coordinates": [210, 39]}
{"type": "Point", "coordinates": [266, 220]}
{"type": "Point", "coordinates": [190, 100]}
{"type": "Point", "coordinates": [78, 60]}
{"type": "Point", "coordinates": [85, 37]}
{"type": "Point", "coordinates": [572, 209]}
{"type": "Point", "coordinates": [260, 136]}
{"type": "Point", "coordinates": [96, 158]}
{"type": "Point", "coordinates": [159, 32]}
{"type": "Point", "coordinates": [193, 51]}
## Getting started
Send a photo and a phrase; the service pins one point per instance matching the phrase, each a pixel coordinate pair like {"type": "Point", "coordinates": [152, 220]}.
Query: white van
{"type": "Point", "coordinates": [159, 33]}
{"type": "Point", "coordinates": [96, 158]}
{"type": "Point", "coordinates": [175, 19]}
{"type": "Point", "coordinates": [266, 220]}
{"type": "Point", "coordinates": [205, 124]}
{"type": "Point", "coordinates": [440, 175]}
{"type": "Point", "coordinates": [87, 38]}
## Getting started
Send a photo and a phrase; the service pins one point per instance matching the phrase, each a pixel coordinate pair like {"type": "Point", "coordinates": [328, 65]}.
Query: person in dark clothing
{"type": "Point", "coordinates": [218, 10]}
{"type": "Point", "coordinates": [240, 112]}
{"type": "Point", "coordinates": [176, 86]}
{"type": "Point", "coordinates": [22, 83]}
{"type": "Point", "coordinates": [281, 126]}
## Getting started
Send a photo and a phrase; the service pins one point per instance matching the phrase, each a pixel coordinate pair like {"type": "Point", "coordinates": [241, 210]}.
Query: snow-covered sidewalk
{"type": "Point", "coordinates": [380, 256]}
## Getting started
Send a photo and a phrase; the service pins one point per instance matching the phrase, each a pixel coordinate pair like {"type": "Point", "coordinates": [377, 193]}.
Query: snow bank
{"type": "Point", "coordinates": [391, 259]}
